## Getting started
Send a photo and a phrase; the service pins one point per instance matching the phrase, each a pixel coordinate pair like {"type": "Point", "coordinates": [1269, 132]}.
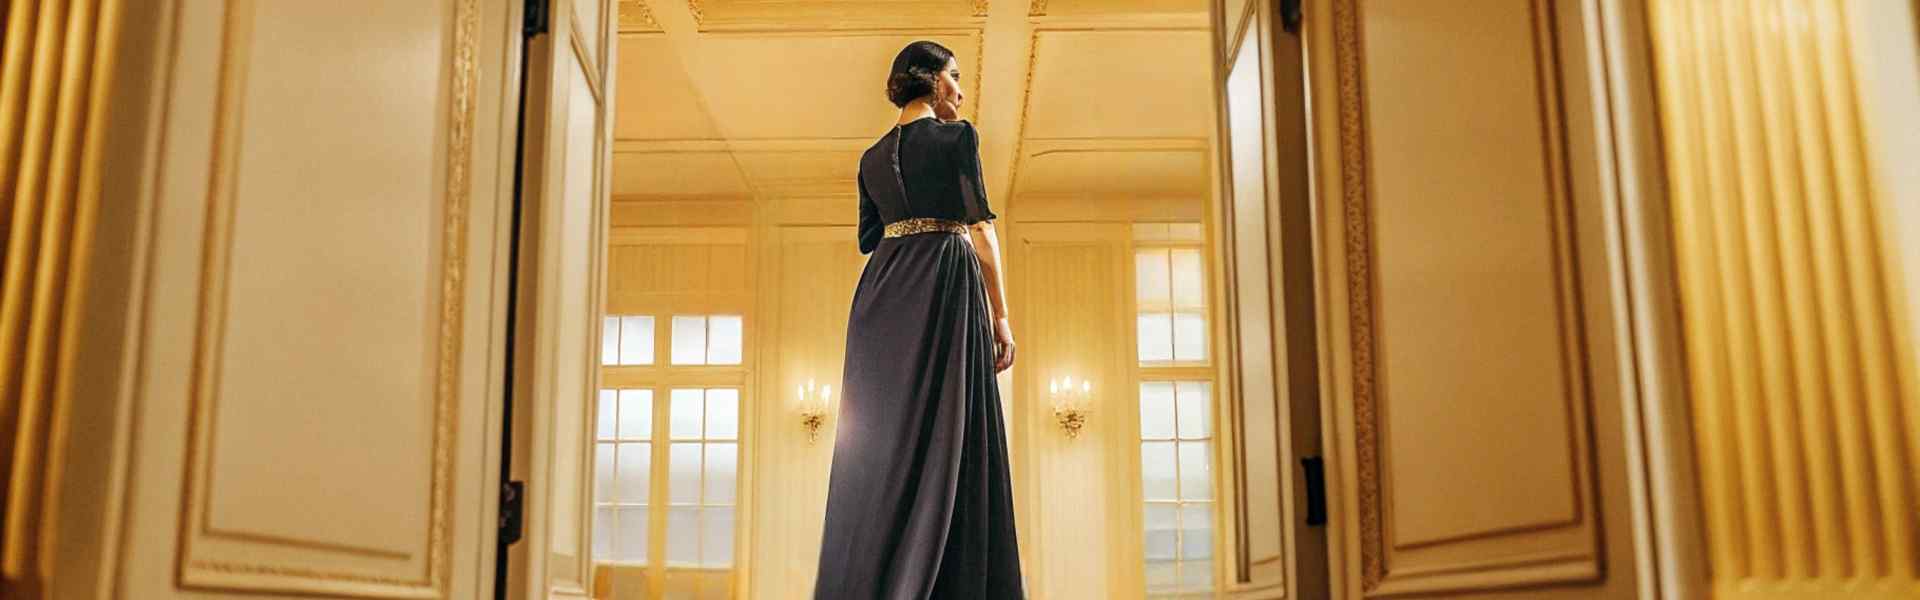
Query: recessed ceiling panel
{"type": "Point", "coordinates": [1136, 172]}
{"type": "Point", "coordinates": [656, 100]}
{"type": "Point", "coordinates": [1093, 84]}
{"type": "Point", "coordinates": [676, 174]}
{"type": "Point", "coordinates": [1057, 8]}
{"type": "Point", "coordinates": [790, 13]}
{"type": "Point", "coordinates": [814, 86]}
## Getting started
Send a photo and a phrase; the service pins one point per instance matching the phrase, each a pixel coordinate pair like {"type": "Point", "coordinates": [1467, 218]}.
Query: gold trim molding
{"type": "Point", "coordinates": [207, 573]}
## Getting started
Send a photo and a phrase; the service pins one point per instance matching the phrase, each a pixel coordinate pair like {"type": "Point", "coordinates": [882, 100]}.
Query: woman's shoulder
{"type": "Point", "coordinates": [959, 131]}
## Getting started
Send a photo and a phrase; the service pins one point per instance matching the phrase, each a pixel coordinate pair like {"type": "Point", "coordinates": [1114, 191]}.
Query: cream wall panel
{"type": "Point", "coordinates": [1447, 369]}
{"type": "Point", "coordinates": [1469, 314]}
{"type": "Point", "coordinates": [690, 275]}
{"type": "Point", "coordinates": [1078, 519]}
{"type": "Point", "coordinates": [814, 271]}
{"type": "Point", "coordinates": [307, 400]}
{"type": "Point", "coordinates": [1108, 208]}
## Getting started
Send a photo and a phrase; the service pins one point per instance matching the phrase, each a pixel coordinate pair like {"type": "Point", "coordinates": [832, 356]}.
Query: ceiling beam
{"type": "Point", "coordinates": [1006, 75]}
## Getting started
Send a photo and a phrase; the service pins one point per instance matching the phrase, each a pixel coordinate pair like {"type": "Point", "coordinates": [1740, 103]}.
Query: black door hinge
{"type": "Point", "coordinates": [512, 511]}
{"type": "Point", "coordinates": [1290, 16]}
{"type": "Point", "coordinates": [535, 18]}
{"type": "Point", "coordinates": [1315, 474]}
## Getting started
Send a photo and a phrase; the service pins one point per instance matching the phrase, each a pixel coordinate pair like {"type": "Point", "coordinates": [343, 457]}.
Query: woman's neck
{"type": "Point", "coordinates": [915, 111]}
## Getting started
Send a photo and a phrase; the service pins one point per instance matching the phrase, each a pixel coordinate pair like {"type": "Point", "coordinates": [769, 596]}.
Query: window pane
{"type": "Point", "coordinates": [603, 473]}
{"type": "Point", "coordinates": [724, 340]}
{"type": "Point", "coordinates": [1196, 403]}
{"type": "Point", "coordinates": [1151, 281]}
{"type": "Point", "coordinates": [683, 485]}
{"type": "Point", "coordinates": [683, 536]}
{"type": "Point", "coordinates": [1196, 471]}
{"type": "Point", "coordinates": [723, 413]}
{"type": "Point", "coordinates": [604, 423]}
{"type": "Point", "coordinates": [636, 340]}
{"type": "Point", "coordinates": [1156, 471]}
{"type": "Point", "coordinates": [722, 472]}
{"type": "Point", "coordinates": [1189, 336]}
{"type": "Point", "coordinates": [1196, 531]}
{"type": "Point", "coordinates": [603, 533]}
{"type": "Point", "coordinates": [632, 484]}
{"type": "Point", "coordinates": [630, 534]}
{"type": "Point", "coordinates": [636, 414]}
{"type": "Point", "coordinates": [689, 340]}
{"type": "Point", "coordinates": [1161, 532]}
{"type": "Point", "coordinates": [610, 341]}
{"type": "Point", "coordinates": [1156, 410]}
{"type": "Point", "coordinates": [685, 414]}
{"type": "Point", "coordinates": [1189, 279]}
{"type": "Point", "coordinates": [1156, 337]}
{"type": "Point", "coordinates": [1161, 577]}
{"type": "Point", "coordinates": [716, 547]}
{"type": "Point", "coordinates": [1196, 576]}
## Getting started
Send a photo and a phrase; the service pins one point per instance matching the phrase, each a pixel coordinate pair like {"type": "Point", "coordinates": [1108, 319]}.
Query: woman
{"type": "Point", "coordinates": [919, 505]}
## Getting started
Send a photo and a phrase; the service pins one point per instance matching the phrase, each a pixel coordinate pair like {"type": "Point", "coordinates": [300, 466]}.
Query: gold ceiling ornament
{"type": "Point", "coordinates": [635, 16]}
{"type": "Point", "coordinates": [980, 8]}
{"type": "Point", "coordinates": [699, 16]}
{"type": "Point", "coordinates": [1037, 8]}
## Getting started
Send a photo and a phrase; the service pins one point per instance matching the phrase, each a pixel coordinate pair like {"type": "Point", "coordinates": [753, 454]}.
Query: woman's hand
{"type": "Point", "coordinates": [1003, 345]}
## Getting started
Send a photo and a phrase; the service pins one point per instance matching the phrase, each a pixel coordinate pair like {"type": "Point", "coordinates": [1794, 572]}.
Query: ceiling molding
{"type": "Point", "coordinates": [1038, 147]}
{"type": "Point", "coordinates": [638, 146]}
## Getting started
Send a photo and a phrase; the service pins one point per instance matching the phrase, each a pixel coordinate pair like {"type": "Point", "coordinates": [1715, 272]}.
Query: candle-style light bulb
{"type": "Point", "coordinates": [1069, 382]}
{"type": "Point", "coordinates": [825, 391]}
{"type": "Point", "coordinates": [809, 383]}
{"type": "Point", "coordinates": [1086, 386]}
{"type": "Point", "coordinates": [1053, 386]}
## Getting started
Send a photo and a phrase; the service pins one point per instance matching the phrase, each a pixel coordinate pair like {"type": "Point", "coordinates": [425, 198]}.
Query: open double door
{"type": "Point", "coordinates": [289, 369]}
{"type": "Point", "coordinates": [1431, 296]}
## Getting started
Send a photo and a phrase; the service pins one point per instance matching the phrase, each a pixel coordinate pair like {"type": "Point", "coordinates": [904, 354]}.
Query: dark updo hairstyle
{"type": "Point", "coordinates": [916, 71]}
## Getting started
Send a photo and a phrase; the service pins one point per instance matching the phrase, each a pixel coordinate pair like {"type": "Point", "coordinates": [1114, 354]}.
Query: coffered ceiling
{"type": "Point", "coordinates": [733, 99]}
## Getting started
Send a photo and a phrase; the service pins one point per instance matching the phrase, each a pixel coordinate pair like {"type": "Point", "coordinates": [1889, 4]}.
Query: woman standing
{"type": "Point", "coordinates": [919, 505]}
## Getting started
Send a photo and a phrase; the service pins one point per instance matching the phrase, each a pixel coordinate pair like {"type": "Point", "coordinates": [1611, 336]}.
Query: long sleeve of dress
{"type": "Point", "coordinates": [973, 187]}
{"type": "Point", "coordinates": [870, 227]}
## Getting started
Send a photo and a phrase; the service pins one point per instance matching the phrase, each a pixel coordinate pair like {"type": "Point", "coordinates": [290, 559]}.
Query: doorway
{"type": "Point", "coordinates": [695, 463]}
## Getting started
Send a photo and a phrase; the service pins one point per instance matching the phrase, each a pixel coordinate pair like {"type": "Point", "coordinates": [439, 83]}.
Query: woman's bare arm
{"type": "Point", "coordinates": [986, 244]}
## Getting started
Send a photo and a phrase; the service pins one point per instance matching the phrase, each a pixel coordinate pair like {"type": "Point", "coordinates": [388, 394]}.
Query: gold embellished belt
{"type": "Point", "coordinates": [923, 225]}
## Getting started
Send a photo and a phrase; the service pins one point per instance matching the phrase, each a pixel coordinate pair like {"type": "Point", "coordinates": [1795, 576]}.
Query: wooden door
{"type": "Point", "coordinates": [1266, 286]}
{"type": "Point", "coordinates": [1472, 317]}
{"type": "Point", "coordinates": [292, 344]}
{"type": "Point", "coordinates": [562, 257]}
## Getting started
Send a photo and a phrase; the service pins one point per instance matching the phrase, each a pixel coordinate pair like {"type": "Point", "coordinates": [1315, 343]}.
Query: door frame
{"type": "Point", "coordinates": [1286, 144]}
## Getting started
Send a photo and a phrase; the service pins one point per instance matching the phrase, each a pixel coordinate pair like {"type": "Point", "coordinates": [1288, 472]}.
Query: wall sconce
{"type": "Point", "coordinates": [813, 408]}
{"type": "Point", "coordinates": [1070, 406]}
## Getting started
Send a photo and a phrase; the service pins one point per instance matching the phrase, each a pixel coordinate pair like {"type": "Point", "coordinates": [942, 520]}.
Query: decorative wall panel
{"type": "Point", "coordinates": [331, 306]}
{"type": "Point", "coordinates": [1470, 365]}
{"type": "Point", "coordinates": [1075, 493]}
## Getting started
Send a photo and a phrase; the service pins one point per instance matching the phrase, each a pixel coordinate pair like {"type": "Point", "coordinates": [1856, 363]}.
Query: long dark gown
{"type": "Point", "coordinates": [919, 504]}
